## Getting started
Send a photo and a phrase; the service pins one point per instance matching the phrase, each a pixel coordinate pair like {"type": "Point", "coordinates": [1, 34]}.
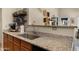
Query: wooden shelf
{"type": "Point", "coordinates": [54, 26]}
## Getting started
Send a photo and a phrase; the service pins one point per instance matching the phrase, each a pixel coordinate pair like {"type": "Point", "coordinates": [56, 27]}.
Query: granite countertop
{"type": "Point", "coordinates": [58, 43]}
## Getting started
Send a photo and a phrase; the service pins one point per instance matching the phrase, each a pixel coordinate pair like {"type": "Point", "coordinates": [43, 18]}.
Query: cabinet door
{"type": "Point", "coordinates": [17, 44]}
{"type": "Point", "coordinates": [10, 42]}
{"type": "Point", "coordinates": [26, 46]}
{"type": "Point", "coordinates": [10, 45]}
{"type": "Point", "coordinates": [5, 42]}
{"type": "Point", "coordinates": [17, 41]}
{"type": "Point", "coordinates": [10, 38]}
{"type": "Point", "coordinates": [16, 47]}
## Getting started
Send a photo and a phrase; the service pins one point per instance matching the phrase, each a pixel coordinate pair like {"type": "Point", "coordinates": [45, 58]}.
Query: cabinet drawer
{"type": "Point", "coordinates": [26, 45]}
{"type": "Point", "coordinates": [17, 41]}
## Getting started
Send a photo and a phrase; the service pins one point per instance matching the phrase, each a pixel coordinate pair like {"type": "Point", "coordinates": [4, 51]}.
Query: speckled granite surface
{"type": "Point", "coordinates": [50, 42]}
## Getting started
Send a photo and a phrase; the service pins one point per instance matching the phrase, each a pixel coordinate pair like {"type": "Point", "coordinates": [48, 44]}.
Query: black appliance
{"type": "Point", "coordinates": [13, 27]}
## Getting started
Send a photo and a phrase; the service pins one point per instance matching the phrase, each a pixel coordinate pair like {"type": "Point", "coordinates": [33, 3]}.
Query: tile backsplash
{"type": "Point", "coordinates": [58, 31]}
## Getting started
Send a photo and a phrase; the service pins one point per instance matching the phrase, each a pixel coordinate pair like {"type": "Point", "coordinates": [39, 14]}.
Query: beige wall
{"type": "Point", "coordinates": [7, 17]}
{"type": "Point", "coordinates": [53, 11]}
{"type": "Point", "coordinates": [36, 14]}
{"type": "Point", "coordinates": [70, 12]}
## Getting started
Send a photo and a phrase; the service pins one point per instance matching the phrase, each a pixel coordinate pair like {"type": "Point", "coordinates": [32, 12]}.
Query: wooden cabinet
{"type": "Point", "coordinates": [24, 49]}
{"type": "Point", "coordinates": [25, 46]}
{"type": "Point", "coordinates": [10, 46]}
{"type": "Point", "coordinates": [16, 48]}
{"type": "Point", "coordinates": [10, 42]}
{"type": "Point", "coordinates": [17, 44]}
{"type": "Point", "coordinates": [14, 44]}
{"type": "Point", "coordinates": [5, 42]}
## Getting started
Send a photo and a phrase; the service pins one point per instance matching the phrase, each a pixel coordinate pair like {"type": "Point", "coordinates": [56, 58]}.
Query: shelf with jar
{"type": "Point", "coordinates": [46, 17]}
{"type": "Point", "coordinates": [49, 21]}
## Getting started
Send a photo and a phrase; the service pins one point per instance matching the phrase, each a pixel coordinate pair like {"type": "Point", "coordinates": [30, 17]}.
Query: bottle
{"type": "Point", "coordinates": [22, 29]}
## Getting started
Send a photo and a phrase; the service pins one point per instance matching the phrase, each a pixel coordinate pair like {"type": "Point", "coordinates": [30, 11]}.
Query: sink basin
{"type": "Point", "coordinates": [29, 36]}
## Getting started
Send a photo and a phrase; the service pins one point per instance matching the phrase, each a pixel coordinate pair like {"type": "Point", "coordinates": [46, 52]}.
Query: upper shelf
{"type": "Point", "coordinates": [54, 26]}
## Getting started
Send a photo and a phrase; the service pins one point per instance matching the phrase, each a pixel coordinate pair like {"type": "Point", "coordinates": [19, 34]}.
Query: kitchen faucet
{"type": "Point", "coordinates": [34, 31]}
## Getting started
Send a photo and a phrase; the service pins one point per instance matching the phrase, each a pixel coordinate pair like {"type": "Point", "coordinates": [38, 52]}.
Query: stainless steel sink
{"type": "Point", "coordinates": [29, 36]}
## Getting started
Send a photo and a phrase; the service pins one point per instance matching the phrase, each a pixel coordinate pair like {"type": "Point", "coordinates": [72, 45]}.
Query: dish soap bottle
{"type": "Point", "coordinates": [22, 29]}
